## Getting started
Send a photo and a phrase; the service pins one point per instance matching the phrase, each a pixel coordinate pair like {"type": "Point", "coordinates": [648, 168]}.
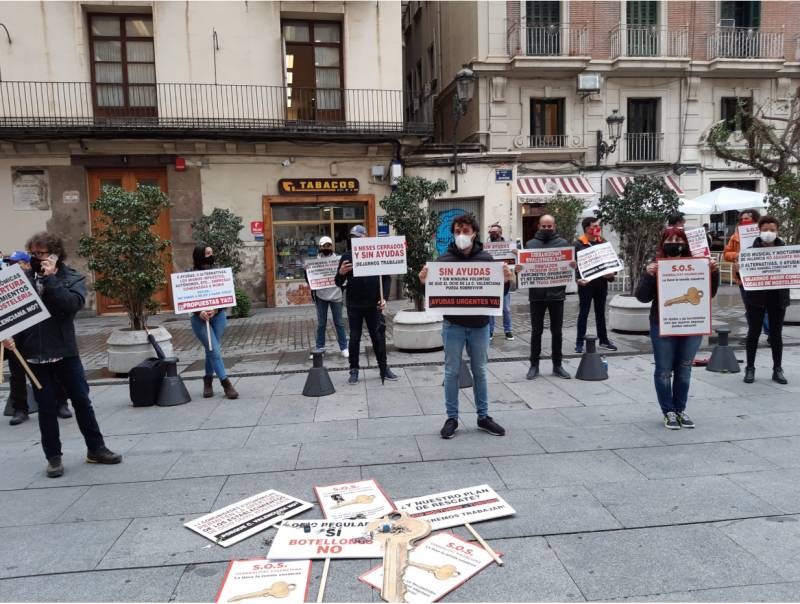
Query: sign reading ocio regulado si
{"type": "Point", "coordinates": [318, 539]}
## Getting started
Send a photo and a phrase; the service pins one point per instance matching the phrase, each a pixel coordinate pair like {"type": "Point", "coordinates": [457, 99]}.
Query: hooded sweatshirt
{"type": "Point", "coordinates": [476, 254]}
{"type": "Point", "coordinates": [543, 240]}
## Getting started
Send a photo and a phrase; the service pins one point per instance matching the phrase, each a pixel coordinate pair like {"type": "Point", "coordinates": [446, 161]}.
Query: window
{"type": "Point", "coordinates": [644, 132]}
{"type": "Point", "coordinates": [123, 65]}
{"type": "Point", "coordinates": [547, 123]}
{"type": "Point", "coordinates": [432, 67]}
{"type": "Point", "coordinates": [737, 111]}
{"type": "Point", "coordinates": [743, 13]}
{"type": "Point", "coordinates": [642, 35]}
{"type": "Point", "coordinates": [543, 27]}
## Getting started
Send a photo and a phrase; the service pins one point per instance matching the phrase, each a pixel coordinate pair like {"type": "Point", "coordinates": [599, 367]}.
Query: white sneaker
{"type": "Point", "coordinates": [345, 353]}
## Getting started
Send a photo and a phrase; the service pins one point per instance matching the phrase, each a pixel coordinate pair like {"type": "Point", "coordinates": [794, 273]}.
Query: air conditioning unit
{"type": "Point", "coordinates": [589, 83]}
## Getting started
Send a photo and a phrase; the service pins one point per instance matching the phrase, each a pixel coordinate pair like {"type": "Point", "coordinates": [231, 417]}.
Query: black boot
{"type": "Point", "coordinates": [19, 417]}
{"type": "Point", "coordinates": [63, 411]}
{"type": "Point", "coordinates": [777, 376]}
{"type": "Point", "coordinates": [749, 375]}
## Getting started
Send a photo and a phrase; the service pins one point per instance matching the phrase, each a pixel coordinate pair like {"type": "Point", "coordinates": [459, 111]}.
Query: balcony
{"type": "Point", "coordinates": [642, 146]}
{"type": "Point", "coordinates": [208, 110]}
{"type": "Point", "coordinates": [746, 43]}
{"type": "Point", "coordinates": [551, 146]}
{"type": "Point", "coordinates": [548, 47]}
{"type": "Point", "coordinates": [637, 41]}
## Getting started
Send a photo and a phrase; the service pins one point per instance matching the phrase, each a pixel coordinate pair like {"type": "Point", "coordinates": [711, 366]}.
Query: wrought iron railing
{"type": "Point", "coordinates": [547, 141]}
{"type": "Point", "coordinates": [746, 43]}
{"type": "Point", "coordinates": [643, 146]}
{"type": "Point", "coordinates": [649, 41]}
{"type": "Point", "coordinates": [548, 40]}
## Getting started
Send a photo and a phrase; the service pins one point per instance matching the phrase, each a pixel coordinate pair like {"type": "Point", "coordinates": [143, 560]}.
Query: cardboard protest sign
{"type": "Point", "coordinates": [546, 267]}
{"type": "Point", "coordinates": [20, 305]}
{"type": "Point", "coordinates": [597, 261]}
{"type": "Point", "coordinates": [770, 267]}
{"type": "Point", "coordinates": [454, 508]}
{"type": "Point", "coordinates": [284, 579]}
{"type": "Point", "coordinates": [748, 233]}
{"type": "Point", "coordinates": [454, 560]}
{"type": "Point", "coordinates": [318, 539]}
{"type": "Point", "coordinates": [698, 243]}
{"type": "Point", "coordinates": [321, 272]}
{"type": "Point", "coordinates": [247, 517]}
{"type": "Point", "coordinates": [379, 256]}
{"type": "Point", "coordinates": [362, 500]}
{"type": "Point", "coordinates": [684, 297]}
{"type": "Point", "coordinates": [203, 290]}
{"type": "Point", "coordinates": [464, 288]}
{"type": "Point", "coordinates": [500, 250]}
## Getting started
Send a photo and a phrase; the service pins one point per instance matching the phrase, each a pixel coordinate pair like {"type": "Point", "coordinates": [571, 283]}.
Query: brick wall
{"type": "Point", "coordinates": [513, 22]}
{"type": "Point", "coordinates": [600, 17]}
{"type": "Point", "coordinates": [776, 15]}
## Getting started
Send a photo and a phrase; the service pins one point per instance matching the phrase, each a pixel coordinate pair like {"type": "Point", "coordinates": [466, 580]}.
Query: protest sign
{"type": "Point", "coordinates": [318, 539]}
{"type": "Point", "coordinates": [464, 288]}
{"type": "Point", "coordinates": [698, 243]}
{"type": "Point", "coordinates": [684, 297]}
{"type": "Point", "coordinates": [247, 517]}
{"type": "Point", "coordinates": [747, 235]}
{"type": "Point", "coordinates": [379, 256]}
{"type": "Point", "coordinates": [362, 500]}
{"type": "Point", "coordinates": [500, 250]}
{"type": "Point", "coordinates": [597, 261]}
{"type": "Point", "coordinates": [20, 305]}
{"type": "Point", "coordinates": [452, 559]}
{"type": "Point", "coordinates": [770, 267]}
{"type": "Point", "coordinates": [203, 290]}
{"type": "Point", "coordinates": [454, 508]}
{"type": "Point", "coordinates": [321, 272]}
{"type": "Point", "coordinates": [546, 267]}
{"type": "Point", "coordinates": [284, 579]}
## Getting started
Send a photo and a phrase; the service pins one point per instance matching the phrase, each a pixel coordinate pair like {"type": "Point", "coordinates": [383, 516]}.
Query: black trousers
{"type": "Point", "coordinates": [18, 393]}
{"type": "Point", "coordinates": [587, 294]}
{"type": "Point", "coordinates": [356, 318]}
{"type": "Point", "coordinates": [556, 311]}
{"type": "Point", "coordinates": [755, 323]}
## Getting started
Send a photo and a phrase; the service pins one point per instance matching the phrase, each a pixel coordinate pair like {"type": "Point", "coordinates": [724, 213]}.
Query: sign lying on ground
{"type": "Point", "coordinates": [362, 500]}
{"type": "Point", "coordinates": [321, 272]}
{"type": "Point", "coordinates": [317, 539]}
{"type": "Point", "coordinates": [247, 517]}
{"type": "Point", "coordinates": [770, 267]}
{"type": "Point", "coordinates": [20, 305]}
{"type": "Point", "coordinates": [748, 233]}
{"type": "Point", "coordinates": [698, 243]}
{"type": "Point", "coordinates": [464, 288]}
{"type": "Point", "coordinates": [500, 250]}
{"type": "Point", "coordinates": [454, 508]}
{"type": "Point", "coordinates": [684, 297]}
{"type": "Point", "coordinates": [379, 256]}
{"type": "Point", "coordinates": [203, 290]}
{"type": "Point", "coordinates": [597, 261]}
{"type": "Point", "coordinates": [550, 267]}
{"type": "Point", "coordinates": [261, 578]}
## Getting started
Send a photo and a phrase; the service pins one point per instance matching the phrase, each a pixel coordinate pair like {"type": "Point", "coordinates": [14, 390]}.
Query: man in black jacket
{"type": "Point", "coordinates": [51, 349]}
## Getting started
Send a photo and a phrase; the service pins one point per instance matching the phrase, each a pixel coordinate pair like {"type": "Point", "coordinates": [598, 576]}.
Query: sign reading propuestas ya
{"type": "Point", "coordinates": [464, 288]}
{"type": "Point", "coordinates": [454, 508]}
{"type": "Point", "coordinates": [597, 261]}
{"type": "Point", "coordinates": [770, 267]}
{"type": "Point", "coordinates": [318, 186]}
{"type": "Point", "coordinates": [550, 267]}
{"type": "Point", "coordinates": [317, 539]}
{"type": "Point", "coordinates": [379, 256]}
{"type": "Point", "coordinates": [20, 305]}
{"type": "Point", "coordinates": [684, 297]}
{"type": "Point", "coordinates": [203, 290]}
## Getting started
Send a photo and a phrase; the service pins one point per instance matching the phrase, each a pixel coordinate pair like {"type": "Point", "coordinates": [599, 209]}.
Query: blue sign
{"type": "Point", "coordinates": [383, 230]}
{"type": "Point", "coordinates": [503, 175]}
{"type": "Point", "coordinates": [444, 235]}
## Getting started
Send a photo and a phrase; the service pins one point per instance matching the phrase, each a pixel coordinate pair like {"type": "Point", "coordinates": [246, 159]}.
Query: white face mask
{"type": "Point", "coordinates": [768, 236]}
{"type": "Point", "coordinates": [463, 242]}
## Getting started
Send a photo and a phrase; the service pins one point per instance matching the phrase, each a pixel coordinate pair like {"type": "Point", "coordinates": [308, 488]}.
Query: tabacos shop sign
{"type": "Point", "coordinates": [317, 186]}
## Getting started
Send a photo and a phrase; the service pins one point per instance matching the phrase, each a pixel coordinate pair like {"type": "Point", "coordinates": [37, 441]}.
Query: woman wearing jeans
{"type": "Point", "coordinates": [674, 355]}
{"type": "Point", "coordinates": [203, 259]}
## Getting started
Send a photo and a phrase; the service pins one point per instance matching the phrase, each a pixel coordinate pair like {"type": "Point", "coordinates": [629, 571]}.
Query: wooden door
{"type": "Point", "coordinates": [128, 179]}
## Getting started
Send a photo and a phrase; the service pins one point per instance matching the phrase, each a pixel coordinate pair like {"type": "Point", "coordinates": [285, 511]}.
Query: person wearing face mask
{"type": "Point", "coordinates": [496, 234]}
{"type": "Point", "coordinates": [329, 297]}
{"type": "Point", "coordinates": [673, 355]}
{"type": "Point", "coordinates": [203, 260]}
{"type": "Point", "coordinates": [771, 303]}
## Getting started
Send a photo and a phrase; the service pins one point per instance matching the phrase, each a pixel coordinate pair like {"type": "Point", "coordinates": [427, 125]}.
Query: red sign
{"type": "Point", "coordinates": [257, 228]}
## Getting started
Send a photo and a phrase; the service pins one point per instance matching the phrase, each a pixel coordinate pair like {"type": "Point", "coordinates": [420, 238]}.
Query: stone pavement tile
{"type": "Point", "coordinates": [143, 420]}
{"type": "Point", "coordinates": [679, 501]}
{"type": "Point", "coordinates": [129, 585]}
{"type": "Point", "coordinates": [780, 424]}
{"type": "Point", "coordinates": [200, 582]}
{"type": "Point", "coordinates": [19, 449]}
{"type": "Point", "coordinates": [471, 442]}
{"type": "Point", "coordinates": [291, 383]}
{"type": "Point", "coordinates": [247, 365]}
{"type": "Point", "coordinates": [781, 488]}
{"type": "Point", "coordinates": [713, 430]}
{"type": "Point", "coordinates": [268, 436]}
{"type": "Point", "coordinates": [56, 548]}
{"type": "Point", "coordinates": [392, 402]}
{"type": "Point", "coordinates": [192, 440]}
{"type": "Point", "coordinates": [783, 451]}
{"type": "Point", "coordinates": [605, 415]}
{"type": "Point", "coordinates": [541, 394]}
{"type": "Point", "coordinates": [36, 506]}
{"type": "Point", "coordinates": [141, 499]}
{"type": "Point", "coordinates": [235, 413]}
{"type": "Point", "coordinates": [768, 592]}
{"type": "Point", "coordinates": [23, 470]}
{"type": "Point", "coordinates": [260, 386]}
{"type": "Point", "coordinates": [775, 541]}
{"type": "Point", "coordinates": [640, 389]}
{"type": "Point", "coordinates": [559, 469]}
{"type": "Point", "coordinates": [24, 433]}
{"type": "Point", "coordinates": [401, 481]}
{"type": "Point", "coordinates": [431, 399]}
{"type": "Point", "coordinates": [289, 409]}
{"type": "Point", "coordinates": [235, 461]}
{"type": "Point", "coordinates": [523, 419]}
{"type": "Point", "coordinates": [365, 451]}
{"type": "Point", "coordinates": [591, 393]}
{"type": "Point", "coordinates": [134, 468]}
{"type": "Point", "coordinates": [425, 376]}
{"type": "Point", "coordinates": [372, 379]}
{"type": "Point", "coordinates": [576, 438]}
{"type": "Point", "coordinates": [343, 584]}
{"type": "Point", "coordinates": [509, 371]}
{"type": "Point", "coordinates": [342, 405]}
{"type": "Point", "coordinates": [400, 426]}
{"type": "Point", "coordinates": [693, 460]}
{"type": "Point", "coordinates": [632, 562]}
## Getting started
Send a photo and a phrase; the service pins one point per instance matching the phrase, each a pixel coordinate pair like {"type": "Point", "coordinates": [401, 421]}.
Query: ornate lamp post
{"type": "Point", "coordinates": [614, 122]}
{"type": "Point", "coordinates": [465, 88]}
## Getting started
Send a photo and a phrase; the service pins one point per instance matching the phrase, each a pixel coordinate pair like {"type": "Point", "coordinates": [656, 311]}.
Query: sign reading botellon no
{"type": "Point", "coordinates": [203, 290]}
{"type": "Point", "coordinates": [20, 305]}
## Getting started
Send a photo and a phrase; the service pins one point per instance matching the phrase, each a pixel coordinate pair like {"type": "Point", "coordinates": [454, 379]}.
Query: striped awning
{"type": "Point", "coordinates": [617, 184]}
{"type": "Point", "coordinates": [547, 186]}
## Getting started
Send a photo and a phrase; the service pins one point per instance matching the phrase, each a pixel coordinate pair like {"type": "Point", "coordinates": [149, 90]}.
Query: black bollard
{"type": "Point", "coordinates": [173, 391]}
{"type": "Point", "coordinates": [592, 367]}
{"type": "Point", "coordinates": [318, 382]}
{"type": "Point", "coordinates": [723, 360]}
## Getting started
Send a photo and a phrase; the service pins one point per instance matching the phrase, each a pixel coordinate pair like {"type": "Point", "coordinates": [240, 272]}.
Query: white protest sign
{"type": "Point", "coordinates": [363, 500]}
{"type": "Point", "coordinates": [246, 577]}
{"type": "Point", "coordinates": [321, 272]}
{"type": "Point", "coordinates": [500, 250]}
{"type": "Point", "coordinates": [20, 305]}
{"type": "Point", "coordinates": [698, 243]}
{"type": "Point", "coordinates": [456, 560]}
{"type": "Point", "coordinates": [464, 288]}
{"type": "Point", "coordinates": [203, 290]}
{"type": "Point", "coordinates": [748, 233]}
{"type": "Point", "coordinates": [379, 256]}
{"type": "Point", "coordinates": [770, 267]}
{"type": "Point", "coordinates": [247, 517]}
{"type": "Point", "coordinates": [454, 508]}
{"type": "Point", "coordinates": [684, 297]}
{"type": "Point", "coordinates": [597, 261]}
{"type": "Point", "coordinates": [546, 267]}
{"type": "Point", "coordinates": [319, 539]}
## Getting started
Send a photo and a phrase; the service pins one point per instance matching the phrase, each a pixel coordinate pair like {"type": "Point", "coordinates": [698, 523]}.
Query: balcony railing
{"type": "Point", "coordinates": [222, 109]}
{"type": "Point", "coordinates": [547, 141]}
{"type": "Point", "coordinates": [643, 146]}
{"type": "Point", "coordinates": [548, 40]}
{"type": "Point", "coordinates": [649, 41]}
{"type": "Point", "coordinates": [746, 43]}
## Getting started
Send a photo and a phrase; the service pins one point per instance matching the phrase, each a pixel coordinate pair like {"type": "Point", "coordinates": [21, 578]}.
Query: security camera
{"type": "Point", "coordinates": [286, 163]}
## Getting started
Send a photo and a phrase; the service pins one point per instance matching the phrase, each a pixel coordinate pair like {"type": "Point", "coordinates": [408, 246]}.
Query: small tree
{"type": "Point", "coordinates": [127, 256]}
{"type": "Point", "coordinates": [220, 230]}
{"type": "Point", "coordinates": [566, 210]}
{"type": "Point", "coordinates": [407, 211]}
{"type": "Point", "coordinates": [783, 202]}
{"type": "Point", "coordinates": [638, 217]}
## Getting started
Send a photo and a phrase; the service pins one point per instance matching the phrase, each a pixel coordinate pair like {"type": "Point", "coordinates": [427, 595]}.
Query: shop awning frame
{"type": "Point", "coordinates": [617, 184]}
{"type": "Point", "coordinates": [541, 188]}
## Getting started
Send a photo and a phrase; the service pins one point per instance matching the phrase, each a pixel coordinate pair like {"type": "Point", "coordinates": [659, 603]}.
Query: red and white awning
{"type": "Point", "coordinates": [547, 186]}
{"type": "Point", "coordinates": [618, 183]}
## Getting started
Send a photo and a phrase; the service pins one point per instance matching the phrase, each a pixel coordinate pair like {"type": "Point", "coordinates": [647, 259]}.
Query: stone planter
{"type": "Point", "coordinates": [793, 312]}
{"type": "Point", "coordinates": [417, 330]}
{"type": "Point", "coordinates": [627, 314]}
{"type": "Point", "coordinates": [127, 348]}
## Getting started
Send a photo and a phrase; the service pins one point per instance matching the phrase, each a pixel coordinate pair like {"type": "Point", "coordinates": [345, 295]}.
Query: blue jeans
{"type": "Point", "coordinates": [455, 338]}
{"type": "Point", "coordinates": [214, 362]}
{"type": "Point", "coordinates": [322, 323]}
{"type": "Point", "coordinates": [506, 315]}
{"type": "Point", "coordinates": [674, 356]}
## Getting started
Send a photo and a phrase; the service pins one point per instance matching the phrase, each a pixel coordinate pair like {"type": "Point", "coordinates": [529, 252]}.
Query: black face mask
{"type": "Point", "coordinates": [36, 265]}
{"type": "Point", "coordinates": [493, 237]}
{"type": "Point", "coordinates": [325, 252]}
{"type": "Point", "coordinates": [208, 261]}
{"type": "Point", "coordinates": [673, 250]}
{"type": "Point", "coordinates": [545, 234]}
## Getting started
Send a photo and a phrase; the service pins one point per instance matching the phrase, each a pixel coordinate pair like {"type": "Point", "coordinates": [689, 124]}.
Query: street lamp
{"type": "Point", "coordinates": [614, 122]}
{"type": "Point", "coordinates": [465, 88]}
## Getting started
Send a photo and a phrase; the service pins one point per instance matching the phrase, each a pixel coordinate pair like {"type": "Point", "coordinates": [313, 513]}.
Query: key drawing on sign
{"type": "Point", "coordinates": [692, 296]}
{"type": "Point", "coordinates": [360, 500]}
{"type": "Point", "coordinates": [440, 572]}
{"type": "Point", "coordinates": [279, 589]}
{"type": "Point", "coordinates": [397, 532]}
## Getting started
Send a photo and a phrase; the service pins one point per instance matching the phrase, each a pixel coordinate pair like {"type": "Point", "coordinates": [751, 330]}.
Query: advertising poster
{"type": "Point", "coordinates": [500, 250]}
{"type": "Point", "coordinates": [546, 268]}
{"type": "Point", "coordinates": [203, 290]}
{"type": "Point", "coordinates": [464, 288]}
{"type": "Point", "coordinates": [321, 272]}
{"type": "Point", "coordinates": [20, 305]}
{"type": "Point", "coordinates": [285, 580]}
{"type": "Point", "coordinates": [247, 517]}
{"type": "Point", "coordinates": [454, 508]}
{"type": "Point", "coordinates": [597, 261]}
{"type": "Point", "coordinates": [698, 243]}
{"type": "Point", "coordinates": [747, 235]}
{"type": "Point", "coordinates": [684, 297]}
{"type": "Point", "coordinates": [318, 539]}
{"type": "Point", "coordinates": [770, 267]}
{"type": "Point", "coordinates": [362, 500]}
{"type": "Point", "coordinates": [379, 256]}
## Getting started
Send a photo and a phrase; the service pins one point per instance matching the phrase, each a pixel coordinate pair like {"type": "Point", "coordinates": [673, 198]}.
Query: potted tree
{"type": "Point", "coordinates": [637, 217]}
{"type": "Point", "coordinates": [128, 259]}
{"type": "Point", "coordinates": [566, 210]}
{"type": "Point", "coordinates": [407, 212]}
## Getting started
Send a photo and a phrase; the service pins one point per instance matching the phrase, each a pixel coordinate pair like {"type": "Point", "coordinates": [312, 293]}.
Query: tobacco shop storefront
{"type": "Point", "coordinates": [305, 210]}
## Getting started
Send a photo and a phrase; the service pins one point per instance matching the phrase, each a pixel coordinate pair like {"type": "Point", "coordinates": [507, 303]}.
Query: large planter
{"type": "Point", "coordinates": [126, 348]}
{"type": "Point", "coordinates": [417, 330]}
{"type": "Point", "coordinates": [627, 314]}
{"type": "Point", "coordinates": [793, 312]}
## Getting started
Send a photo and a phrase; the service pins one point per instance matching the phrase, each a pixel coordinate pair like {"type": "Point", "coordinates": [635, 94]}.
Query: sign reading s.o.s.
{"type": "Point", "coordinates": [317, 186]}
